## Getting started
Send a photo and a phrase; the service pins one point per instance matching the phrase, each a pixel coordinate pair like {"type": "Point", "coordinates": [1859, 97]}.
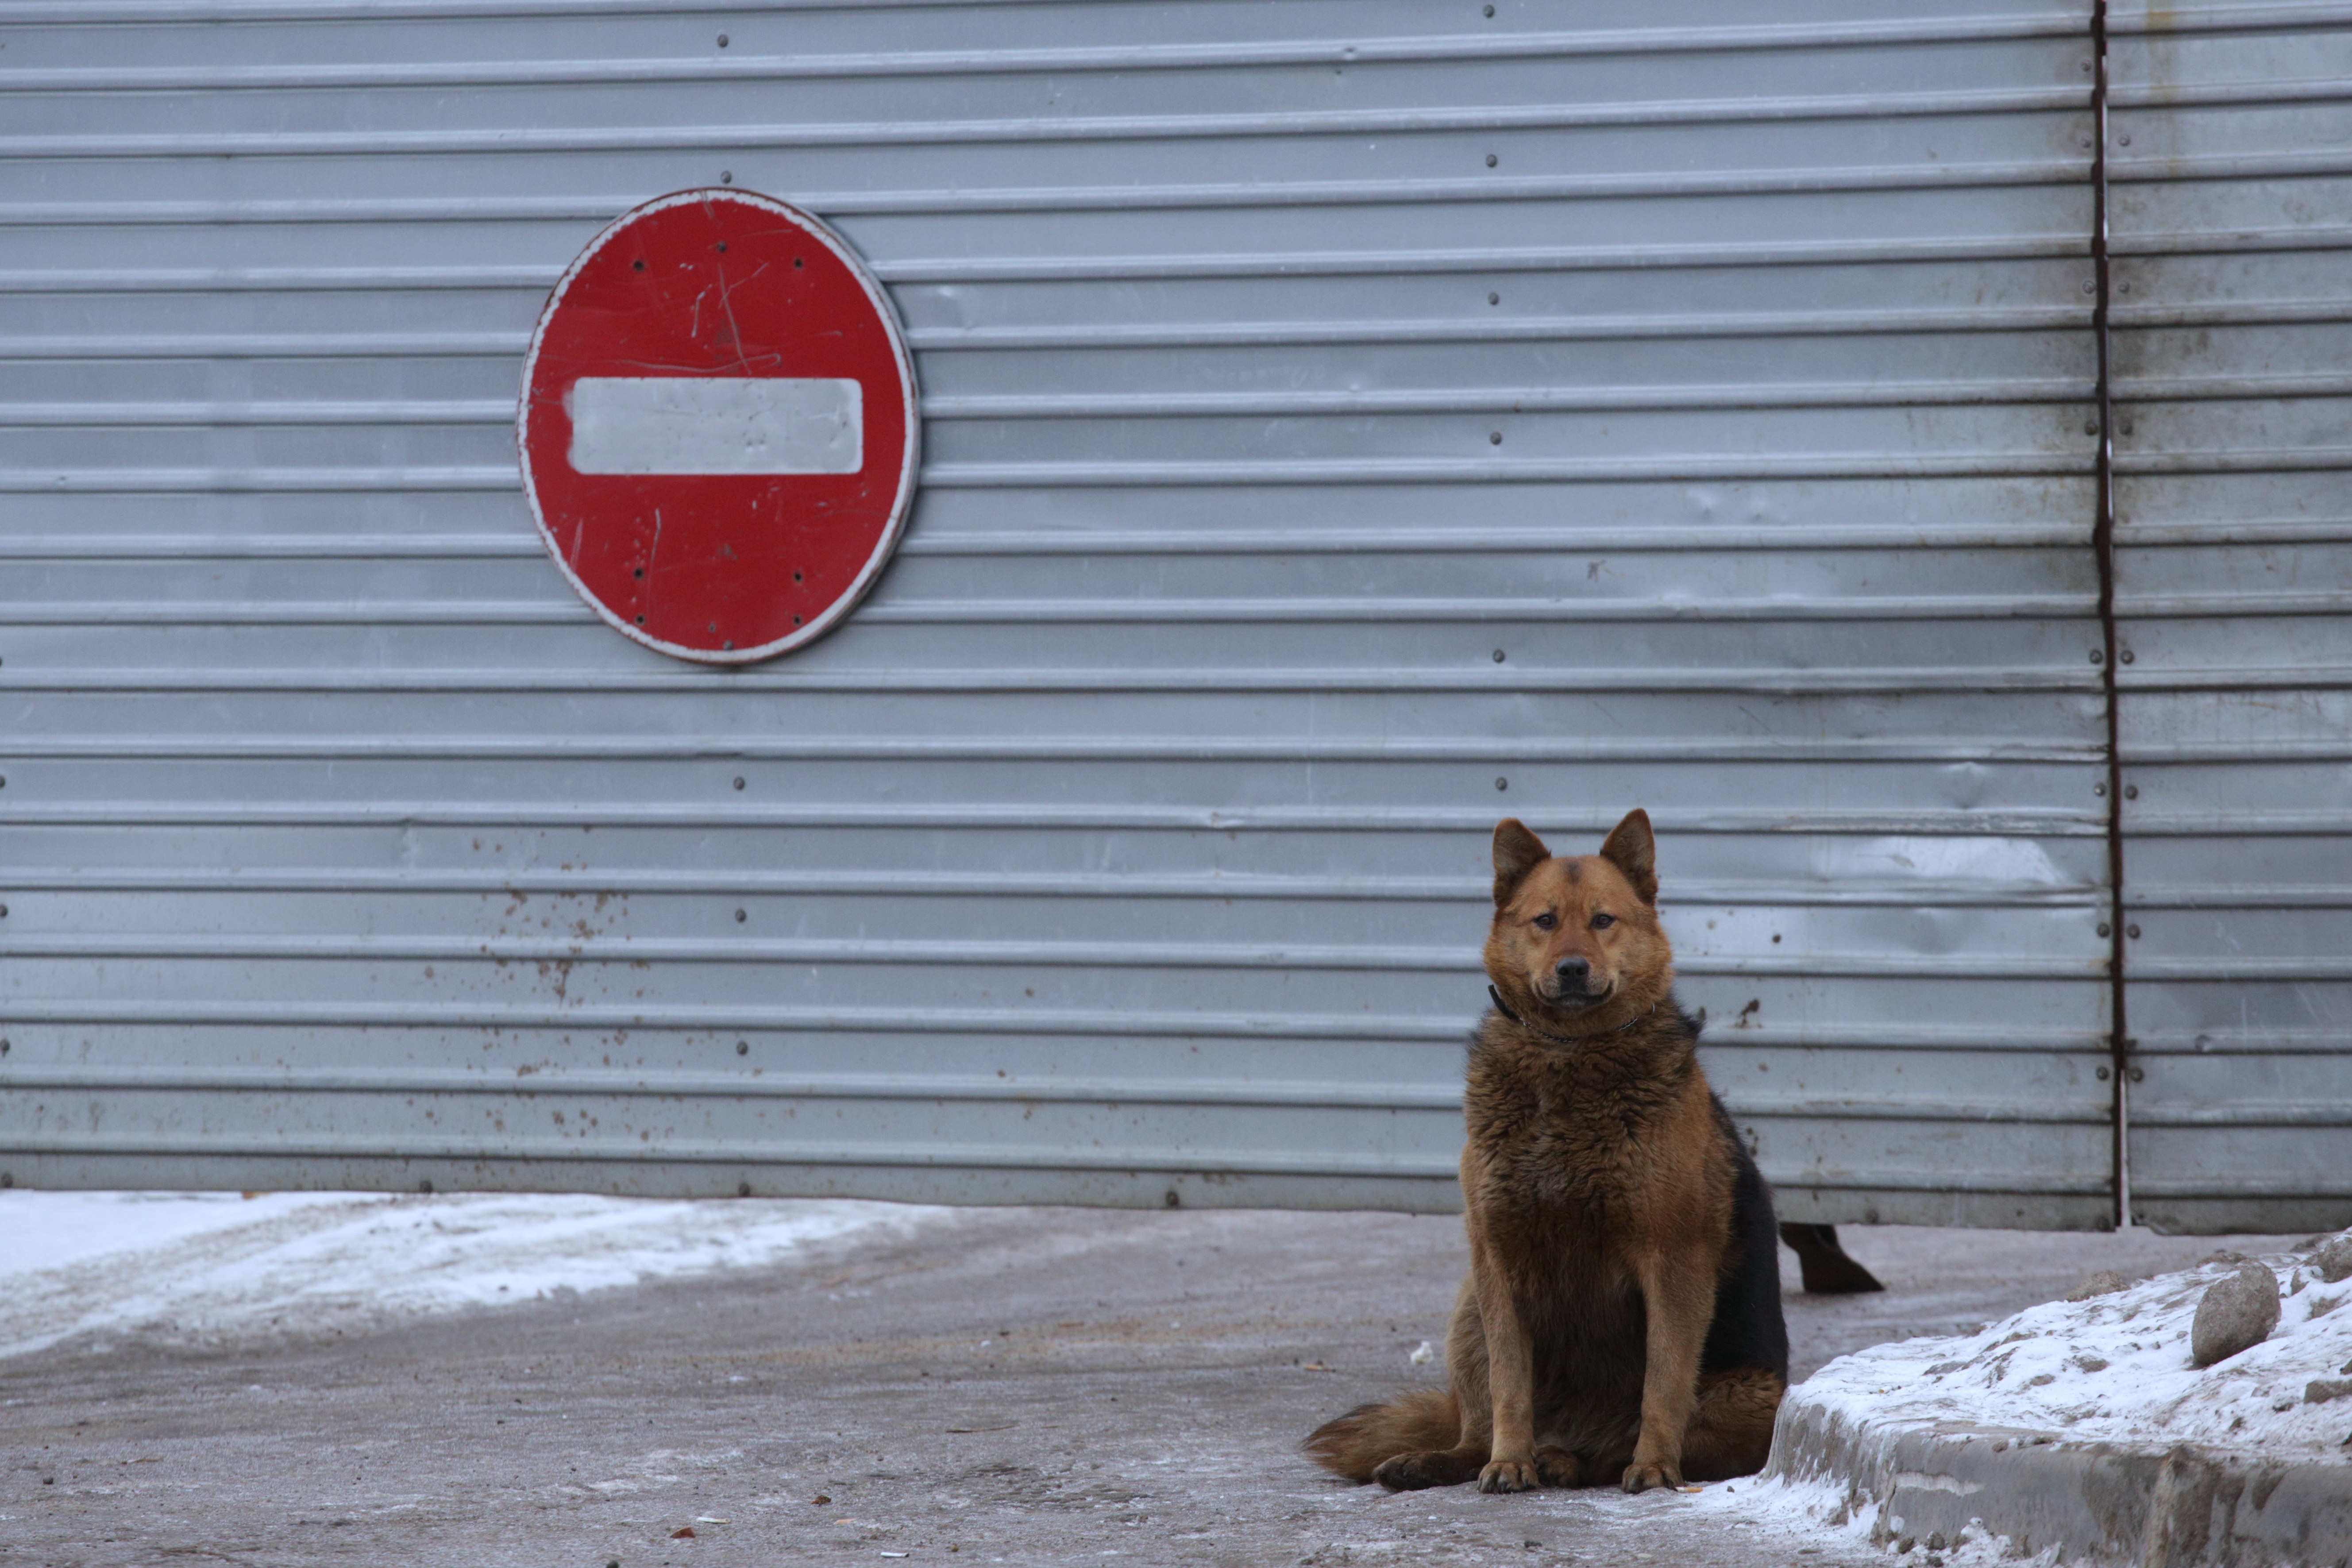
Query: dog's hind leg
{"type": "Point", "coordinates": [1731, 1430]}
{"type": "Point", "coordinates": [1823, 1263]}
{"type": "Point", "coordinates": [1428, 1468]}
{"type": "Point", "coordinates": [1555, 1467]}
{"type": "Point", "coordinates": [1585, 1444]}
{"type": "Point", "coordinates": [1465, 1370]}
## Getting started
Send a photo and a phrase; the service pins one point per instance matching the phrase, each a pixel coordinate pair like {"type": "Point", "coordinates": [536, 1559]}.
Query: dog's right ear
{"type": "Point", "coordinates": [1517, 853]}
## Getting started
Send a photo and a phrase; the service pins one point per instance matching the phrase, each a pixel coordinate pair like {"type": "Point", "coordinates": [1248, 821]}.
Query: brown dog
{"type": "Point", "coordinates": [1621, 1317]}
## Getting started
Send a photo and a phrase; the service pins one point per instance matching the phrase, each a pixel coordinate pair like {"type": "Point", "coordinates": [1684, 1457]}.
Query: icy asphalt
{"type": "Point", "coordinates": [1013, 1385]}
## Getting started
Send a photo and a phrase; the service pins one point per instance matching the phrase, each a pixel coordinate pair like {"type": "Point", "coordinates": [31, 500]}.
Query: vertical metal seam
{"type": "Point", "coordinates": [2103, 546]}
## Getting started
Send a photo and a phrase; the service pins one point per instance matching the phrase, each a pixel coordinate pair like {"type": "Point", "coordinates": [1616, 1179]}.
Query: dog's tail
{"type": "Point", "coordinates": [1354, 1444]}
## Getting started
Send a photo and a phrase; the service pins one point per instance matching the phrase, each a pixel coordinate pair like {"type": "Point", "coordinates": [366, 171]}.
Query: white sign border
{"type": "Point", "coordinates": [901, 506]}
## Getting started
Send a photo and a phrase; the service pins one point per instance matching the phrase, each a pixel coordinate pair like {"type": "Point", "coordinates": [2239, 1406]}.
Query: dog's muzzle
{"type": "Point", "coordinates": [1572, 986]}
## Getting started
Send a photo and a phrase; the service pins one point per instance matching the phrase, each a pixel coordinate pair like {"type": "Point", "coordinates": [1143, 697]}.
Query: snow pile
{"type": "Point", "coordinates": [209, 1269]}
{"type": "Point", "coordinates": [2114, 1367]}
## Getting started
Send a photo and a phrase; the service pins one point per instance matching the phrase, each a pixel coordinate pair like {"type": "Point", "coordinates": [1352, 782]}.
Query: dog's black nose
{"type": "Point", "coordinates": [1574, 973]}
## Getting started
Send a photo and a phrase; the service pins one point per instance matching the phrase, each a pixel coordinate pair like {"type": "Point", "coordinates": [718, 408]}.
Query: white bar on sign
{"type": "Point", "coordinates": [716, 425]}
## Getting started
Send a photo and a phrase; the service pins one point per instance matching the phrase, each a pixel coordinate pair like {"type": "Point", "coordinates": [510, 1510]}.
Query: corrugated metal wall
{"type": "Point", "coordinates": [1349, 421]}
{"type": "Point", "coordinates": [2230, 167]}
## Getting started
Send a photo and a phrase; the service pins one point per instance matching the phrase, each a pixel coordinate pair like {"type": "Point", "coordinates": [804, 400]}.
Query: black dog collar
{"type": "Point", "coordinates": [1503, 1008]}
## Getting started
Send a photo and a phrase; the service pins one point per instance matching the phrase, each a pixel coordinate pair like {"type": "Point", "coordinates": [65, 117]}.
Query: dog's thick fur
{"type": "Point", "coordinates": [1621, 1317]}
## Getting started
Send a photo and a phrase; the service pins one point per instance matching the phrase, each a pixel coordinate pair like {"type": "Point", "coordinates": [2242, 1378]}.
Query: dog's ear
{"type": "Point", "coordinates": [1633, 849]}
{"type": "Point", "coordinates": [1517, 853]}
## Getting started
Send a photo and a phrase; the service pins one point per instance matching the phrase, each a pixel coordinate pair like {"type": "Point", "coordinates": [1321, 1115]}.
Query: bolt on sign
{"type": "Point", "coordinates": [717, 428]}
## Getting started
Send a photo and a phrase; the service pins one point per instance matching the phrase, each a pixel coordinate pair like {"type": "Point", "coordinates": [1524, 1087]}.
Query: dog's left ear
{"type": "Point", "coordinates": [1633, 849]}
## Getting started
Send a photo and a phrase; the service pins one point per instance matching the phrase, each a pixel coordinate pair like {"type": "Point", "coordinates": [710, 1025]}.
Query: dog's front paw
{"type": "Point", "coordinates": [1640, 1478]}
{"type": "Point", "coordinates": [1508, 1476]}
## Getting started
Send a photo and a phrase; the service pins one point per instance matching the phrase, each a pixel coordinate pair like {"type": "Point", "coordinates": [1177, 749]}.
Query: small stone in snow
{"type": "Point", "coordinates": [1936, 1543]}
{"type": "Point", "coordinates": [2092, 1363]}
{"type": "Point", "coordinates": [2238, 1312]}
{"type": "Point", "coordinates": [2038, 1382]}
{"type": "Point", "coordinates": [2320, 1390]}
{"type": "Point", "coordinates": [2106, 1281]}
{"type": "Point", "coordinates": [2334, 1258]}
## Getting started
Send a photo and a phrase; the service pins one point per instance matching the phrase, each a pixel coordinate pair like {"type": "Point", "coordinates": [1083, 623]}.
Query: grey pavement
{"type": "Point", "coordinates": [1022, 1386]}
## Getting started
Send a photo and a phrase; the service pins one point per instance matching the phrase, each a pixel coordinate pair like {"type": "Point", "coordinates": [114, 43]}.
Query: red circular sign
{"type": "Point", "coordinates": [719, 427]}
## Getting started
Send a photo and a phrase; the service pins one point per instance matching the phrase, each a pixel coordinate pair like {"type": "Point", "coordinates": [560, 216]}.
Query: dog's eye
{"type": "Point", "coordinates": [1603, 922]}
{"type": "Point", "coordinates": [1546, 920]}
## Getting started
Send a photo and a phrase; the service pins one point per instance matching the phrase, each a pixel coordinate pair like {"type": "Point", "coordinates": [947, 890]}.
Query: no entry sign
{"type": "Point", "coordinates": [718, 426]}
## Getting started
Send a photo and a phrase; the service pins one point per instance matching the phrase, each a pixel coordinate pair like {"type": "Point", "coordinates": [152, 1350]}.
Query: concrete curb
{"type": "Point", "coordinates": [2096, 1502]}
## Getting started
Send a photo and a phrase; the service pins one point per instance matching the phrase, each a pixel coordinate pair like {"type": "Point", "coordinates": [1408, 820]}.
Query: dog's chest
{"type": "Point", "coordinates": [1568, 1139]}
{"type": "Point", "coordinates": [1559, 1158]}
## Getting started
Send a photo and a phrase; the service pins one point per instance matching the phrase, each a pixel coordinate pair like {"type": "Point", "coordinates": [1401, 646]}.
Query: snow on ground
{"type": "Point", "coordinates": [207, 1268]}
{"type": "Point", "coordinates": [2115, 1368]}
{"type": "Point", "coordinates": [194, 1270]}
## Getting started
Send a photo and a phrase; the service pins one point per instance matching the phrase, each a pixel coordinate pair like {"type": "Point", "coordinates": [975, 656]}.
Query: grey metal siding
{"type": "Point", "coordinates": [2232, 234]}
{"type": "Point", "coordinates": [1346, 423]}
